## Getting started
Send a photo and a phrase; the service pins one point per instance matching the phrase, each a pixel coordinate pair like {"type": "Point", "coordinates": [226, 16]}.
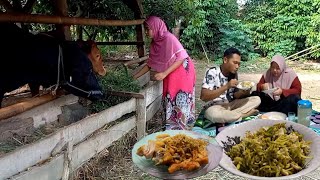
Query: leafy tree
{"type": "Point", "coordinates": [280, 26]}
{"type": "Point", "coordinates": [215, 24]}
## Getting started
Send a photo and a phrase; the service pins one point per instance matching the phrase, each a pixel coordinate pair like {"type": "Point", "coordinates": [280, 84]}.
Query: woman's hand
{"type": "Point", "coordinates": [160, 76]}
{"type": "Point", "coordinates": [265, 86]}
{"type": "Point", "coordinates": [278, 92]}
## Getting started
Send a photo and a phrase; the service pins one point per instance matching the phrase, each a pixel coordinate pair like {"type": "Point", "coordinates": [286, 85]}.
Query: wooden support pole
{"type": "Point", "coordinates": [140, 37]}
{"type": "Point", "coordinates": [61, 9]}
{"type": "Point", "coordinates": [46, 19]}
{"type": "Point", "coordinates": [140, 60]}
{"type": "Point", "coordinates": [80, 32]}
{"type": "Point", "coordinates": [138, 13]}
{"type": "Point", "coordinates": [141, 117]}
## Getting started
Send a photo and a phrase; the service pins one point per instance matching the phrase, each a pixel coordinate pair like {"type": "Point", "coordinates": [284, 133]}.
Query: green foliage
{"type": "Point", "coordinates": [280, 26]}
{"type": "Point", "coordinates": [214, 23]}
{"type": "Point", "coordinates": [117, 79]}
{"type": "Point", "coordinates": [234, 35]}
{"type": "Point", "coordinates": [170, 11]}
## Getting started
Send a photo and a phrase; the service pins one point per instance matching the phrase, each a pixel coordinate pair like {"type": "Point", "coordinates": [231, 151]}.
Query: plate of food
{"type": "Point", "coordinates": [176, 154]}
{"type": "Point", "coordinates": [273, 116]}
{"type": "Point", "coordinates": [245, 85]}
{"type": "Point", "coordinates": [269, 149]}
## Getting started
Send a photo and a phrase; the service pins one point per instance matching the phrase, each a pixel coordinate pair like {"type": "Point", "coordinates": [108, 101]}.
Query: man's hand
{"type": "Point", "coordinates": [232, 83]}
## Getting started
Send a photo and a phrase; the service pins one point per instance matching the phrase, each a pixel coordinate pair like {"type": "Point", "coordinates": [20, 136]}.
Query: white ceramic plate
{"type": "Point", "coordinates": [241, 85]}
{"type": "Point", "coordinates": [269, 91]}
{"type": "Point", "coordinates": [274, 116]}
{"type": "Point", "coordinates": [239, 130]}
{"type": "Point", "coordinates": [161, 171]}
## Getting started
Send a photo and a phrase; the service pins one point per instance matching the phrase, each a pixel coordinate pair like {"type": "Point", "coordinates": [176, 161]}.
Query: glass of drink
{"type": "Point", "coordinates": [292, 116]}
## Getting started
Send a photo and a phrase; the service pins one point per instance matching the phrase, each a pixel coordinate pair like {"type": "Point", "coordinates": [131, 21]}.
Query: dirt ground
{"type": "Point", "coordinates": [117, 164]}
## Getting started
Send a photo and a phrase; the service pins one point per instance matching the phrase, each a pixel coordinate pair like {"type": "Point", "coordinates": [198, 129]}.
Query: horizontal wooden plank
{"type": "Point", "coordinates": [153, 91]}
{"type": "Point", "coordinates": [126, 94]}
{"type": "Point", "coordinates": [29, 155]}
{"type": "Point", "coordinates": [139, 60]}
{"type": "Point", "coordinates": [121, 43]}
{"type": "Point", "coordinates": [91, 147]}
{"type": "Point", "coordinates": [81, 153]}
{"type": "Point", "coordinates": [51, 170]}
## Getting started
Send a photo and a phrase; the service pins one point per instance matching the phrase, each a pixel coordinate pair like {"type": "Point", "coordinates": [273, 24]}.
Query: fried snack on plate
{"type": "Point", "coordinates": [178, 152]}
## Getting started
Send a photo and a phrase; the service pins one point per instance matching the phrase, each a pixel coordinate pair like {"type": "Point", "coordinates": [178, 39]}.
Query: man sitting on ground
{"type": "Point", "coordinates": [224, 102]}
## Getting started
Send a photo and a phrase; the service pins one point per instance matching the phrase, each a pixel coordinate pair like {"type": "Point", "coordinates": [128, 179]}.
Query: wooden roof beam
{"type": "Point", "coordinates": [46, 19]}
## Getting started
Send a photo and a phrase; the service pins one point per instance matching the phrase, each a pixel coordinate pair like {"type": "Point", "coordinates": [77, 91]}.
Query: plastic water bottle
{"type": "Point", "coordinates": [304, 112]}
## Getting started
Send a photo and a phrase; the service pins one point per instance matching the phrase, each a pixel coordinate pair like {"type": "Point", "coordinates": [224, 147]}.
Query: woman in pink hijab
{"type": "Point", "coordinates": [174, 66]}
{"type": "Point", "coordinates": [285, 88]}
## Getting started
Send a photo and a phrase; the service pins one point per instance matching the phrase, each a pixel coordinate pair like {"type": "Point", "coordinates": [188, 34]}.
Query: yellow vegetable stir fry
{"type": "Point", "coordinates": [246, 84]}
{"type": "Point", "coordinates": [271, 152]}
{"type": "Point", "coordinates": [178, 152]}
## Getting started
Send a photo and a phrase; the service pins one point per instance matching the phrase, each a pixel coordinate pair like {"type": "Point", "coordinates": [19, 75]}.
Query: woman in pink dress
{"type": "Point", "coordinates": [174, 66]}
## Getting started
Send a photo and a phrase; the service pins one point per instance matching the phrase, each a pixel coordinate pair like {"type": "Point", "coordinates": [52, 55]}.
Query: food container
{"type": "Point", "coordinates": [304, 112]}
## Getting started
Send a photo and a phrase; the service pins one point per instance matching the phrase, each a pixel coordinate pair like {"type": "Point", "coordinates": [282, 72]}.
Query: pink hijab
{"type": "Point", "coordinates": [284, 81]}
{"type": "Point", "coordinates": [165, 48]}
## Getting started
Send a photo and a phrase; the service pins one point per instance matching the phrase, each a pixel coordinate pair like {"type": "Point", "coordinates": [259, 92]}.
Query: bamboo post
{"type": "Point", "coordinates": [67, 162]}
{"type": "Point", "coordinates": [141, 117]}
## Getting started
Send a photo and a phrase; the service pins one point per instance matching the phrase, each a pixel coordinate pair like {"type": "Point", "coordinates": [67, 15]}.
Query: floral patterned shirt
{"type": "Point", "coordinates": [214, 79]}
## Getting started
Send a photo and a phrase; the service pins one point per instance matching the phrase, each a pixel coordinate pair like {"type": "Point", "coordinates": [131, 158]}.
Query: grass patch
{"type": "Point", "coordinates": [117, 79]}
